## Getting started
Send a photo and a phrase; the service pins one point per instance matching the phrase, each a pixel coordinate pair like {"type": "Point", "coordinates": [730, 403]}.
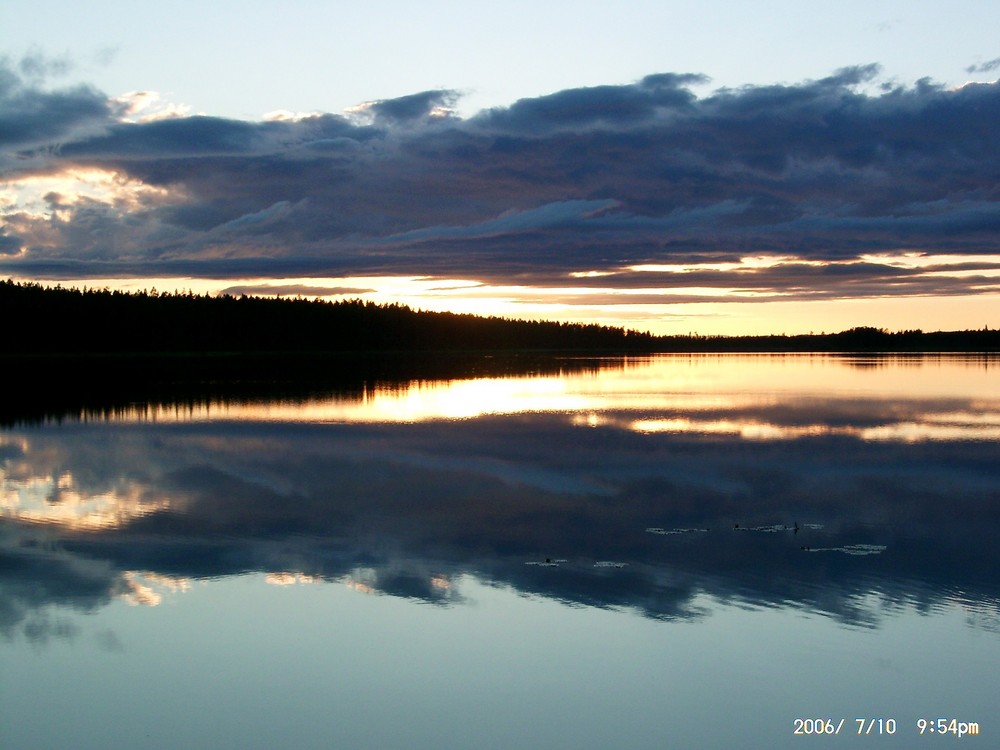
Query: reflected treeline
{"type": "Point", "coordinates": [984, 359]}
{"type": "Point", "coordinates": [657, 523]}
{"type": "Point", "coordinates": [41, 388]}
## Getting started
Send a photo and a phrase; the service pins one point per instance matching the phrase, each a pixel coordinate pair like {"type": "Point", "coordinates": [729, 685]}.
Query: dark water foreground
{"type": "Point", "coordinates": [689, 551]}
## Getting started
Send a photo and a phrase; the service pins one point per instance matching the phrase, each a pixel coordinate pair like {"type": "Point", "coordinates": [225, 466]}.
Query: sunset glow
{"type": "Point", "coordinates": [656, 203]}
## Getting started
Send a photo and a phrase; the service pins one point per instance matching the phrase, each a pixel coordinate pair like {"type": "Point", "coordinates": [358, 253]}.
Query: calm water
{"type": "Point", "coordinates": [662, 552]}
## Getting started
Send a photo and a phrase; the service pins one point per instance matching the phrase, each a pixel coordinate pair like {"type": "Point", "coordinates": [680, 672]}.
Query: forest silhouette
{"type": "Point", "coordinates": [61, 321]}
{"type": "Point", "coordinates": [65, 321]}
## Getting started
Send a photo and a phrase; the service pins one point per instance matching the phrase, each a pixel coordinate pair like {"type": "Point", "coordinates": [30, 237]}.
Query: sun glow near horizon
{"type": "Point", "coordinates": [660, 309]}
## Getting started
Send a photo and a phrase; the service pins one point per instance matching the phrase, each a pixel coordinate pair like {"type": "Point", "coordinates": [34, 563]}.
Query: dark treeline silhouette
{"type": "Point", "coordinates": [864, 339]}
{"type": "Point", "coordinates": [58, 321]}
{"type": "Point", "coordinates": [69, 321]}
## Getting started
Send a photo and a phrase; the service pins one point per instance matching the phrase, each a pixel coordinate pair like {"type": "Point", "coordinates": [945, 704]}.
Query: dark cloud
{"type": "Point", "coordinates": [414, 108]}
{"type": "Point", "coordinates": [31, 117]}
{"type": "Point", "coordinates": [613, 107]}
{"type": "Point", "coordinates": [9, 245]}
{"type": "Point", "coordinates": [175, 138]}
{"type": "Point", "coordinates": [593, 178]}
{"type": "Point", "coordinates": [986, 67]}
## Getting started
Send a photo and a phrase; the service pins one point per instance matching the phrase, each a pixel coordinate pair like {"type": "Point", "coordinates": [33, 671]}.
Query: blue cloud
{"type": "Point", "coordinates": [9, 245]}
{"type": "Point", "coordinates": [599, 106]}
{"type": "Point", "coordinates": [986, 67]}
{"type": "Point", "coordinates": [412, 108]}
{"type": "Point", "coordinates": [31, 116]}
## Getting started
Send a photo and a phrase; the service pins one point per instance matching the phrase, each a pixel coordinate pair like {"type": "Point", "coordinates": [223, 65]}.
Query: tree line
{"type": "Point", "coordinates": [62, 321]}
{"type": "Point", "coordinates": [71, 321]}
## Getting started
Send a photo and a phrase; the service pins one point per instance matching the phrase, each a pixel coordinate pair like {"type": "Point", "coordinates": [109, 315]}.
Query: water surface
{"type": "Point", "coordinates": [664, 551]}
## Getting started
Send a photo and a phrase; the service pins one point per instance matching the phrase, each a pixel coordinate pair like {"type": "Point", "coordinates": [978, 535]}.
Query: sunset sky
{"type": "Point", "coordinates": [717, 167]}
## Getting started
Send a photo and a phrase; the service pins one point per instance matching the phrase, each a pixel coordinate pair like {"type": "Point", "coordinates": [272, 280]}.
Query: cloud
{"type": "Point", "coordinates": [145, 106]}
{"type": "Point", "coordinates": [197, 136]}
{"type": "Point", "coordinates": [9, 245]}
{"type": "Point", "coordinates": [587, 179]}
{"type": "Point", "coordinates": [553, 215]}
{"type": "Point", "coordinates": [293, 290]}
{"type": "Point", "coordinates": [257, 219]}
{"type": "Point", "coordinates": [411, 109]}
{"type": "Point", "coordinates": [36, 66]}
{"type": "Point", "coordinates": [32, 117]}
{"type": "Point", "coordinates": [599, 106]}
{"type": "Point", "coordinates": [986, 67]}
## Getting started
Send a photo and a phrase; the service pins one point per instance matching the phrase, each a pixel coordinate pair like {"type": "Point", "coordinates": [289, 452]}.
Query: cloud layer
{"type": "Point", "coordinates": [598, 179]}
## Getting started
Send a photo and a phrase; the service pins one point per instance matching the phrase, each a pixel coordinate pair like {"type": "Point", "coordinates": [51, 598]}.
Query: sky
{"type": "Point", "coordinates": [711, 168]}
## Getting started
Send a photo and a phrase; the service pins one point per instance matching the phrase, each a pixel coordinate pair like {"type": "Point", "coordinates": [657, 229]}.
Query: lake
{"type": "Point", "coordinates": [669, 551]}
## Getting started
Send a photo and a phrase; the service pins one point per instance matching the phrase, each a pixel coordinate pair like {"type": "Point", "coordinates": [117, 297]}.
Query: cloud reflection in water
{"type": "Point", "coordinates": [408, 489]}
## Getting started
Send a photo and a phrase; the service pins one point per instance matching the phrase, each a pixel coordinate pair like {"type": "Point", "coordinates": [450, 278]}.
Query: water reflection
{"type": "Point", "coordinates": [941, 397]}
{"type": "Point", "coordinates": [805, 483]}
